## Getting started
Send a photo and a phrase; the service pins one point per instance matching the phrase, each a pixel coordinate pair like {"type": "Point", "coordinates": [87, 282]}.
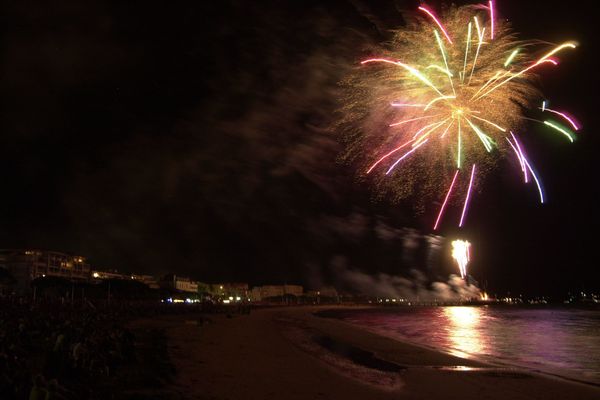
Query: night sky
{"type": "Point", "coordinates": [195, 138]}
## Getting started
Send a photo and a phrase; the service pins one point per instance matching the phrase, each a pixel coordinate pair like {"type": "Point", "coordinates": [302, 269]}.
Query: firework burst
{"type": "Point", "coordinates": [461, 252]}
{"type": "Point", "coordinates": [432, 111]}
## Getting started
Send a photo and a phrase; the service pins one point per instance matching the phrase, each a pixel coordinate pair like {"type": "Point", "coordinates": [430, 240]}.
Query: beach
{"type": "Point", "coordinates": [289, 353]}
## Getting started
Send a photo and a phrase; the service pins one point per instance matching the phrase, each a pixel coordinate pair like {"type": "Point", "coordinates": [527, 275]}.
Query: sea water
{"type": "Point", "coordinates": [560, 341]}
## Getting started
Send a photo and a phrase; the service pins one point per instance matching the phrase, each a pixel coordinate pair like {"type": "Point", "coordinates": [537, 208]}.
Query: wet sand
{"type": "Point", "coordinates": [288, 353]}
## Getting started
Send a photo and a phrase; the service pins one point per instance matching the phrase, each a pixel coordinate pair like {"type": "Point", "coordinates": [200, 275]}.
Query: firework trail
{"type": "Point", "coordinates": [461, 254]}
{"type": "Point", "coordinates": [440, 104]}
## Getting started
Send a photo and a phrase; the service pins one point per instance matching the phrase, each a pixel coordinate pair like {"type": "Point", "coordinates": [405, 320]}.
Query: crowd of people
{"type": "Point", "coordinates": [52, 350]}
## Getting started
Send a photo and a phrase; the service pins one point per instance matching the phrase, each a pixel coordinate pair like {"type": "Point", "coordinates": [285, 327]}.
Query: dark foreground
{"type": "Point", "coordinates": [181, 353]}
{"type": "Point", "coordinates": [289, 353]}
{"type": "Point", "coordinates": [52, 350]}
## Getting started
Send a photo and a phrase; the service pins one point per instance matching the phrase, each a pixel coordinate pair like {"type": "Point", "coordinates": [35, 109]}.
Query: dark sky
{"type": "Point", "coordinates": [193, 137]}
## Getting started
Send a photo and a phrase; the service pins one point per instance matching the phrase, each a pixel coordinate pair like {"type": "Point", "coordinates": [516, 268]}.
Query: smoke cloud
{"type": "Point", "coordinates": [416, 287]}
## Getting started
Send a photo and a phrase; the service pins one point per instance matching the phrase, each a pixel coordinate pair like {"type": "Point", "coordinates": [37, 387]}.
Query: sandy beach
{"type": "Point", "coordinates": [289, 353]}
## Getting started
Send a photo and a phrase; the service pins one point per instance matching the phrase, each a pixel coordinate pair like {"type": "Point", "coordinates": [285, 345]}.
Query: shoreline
{"type": "Point", "coordinates": [290, 353]}
{"type": "Point", "coordinates": [491, 361]}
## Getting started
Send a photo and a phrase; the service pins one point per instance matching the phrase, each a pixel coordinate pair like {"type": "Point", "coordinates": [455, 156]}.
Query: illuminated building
{"type": "Point", "coordinates": [327, 291]}
{"type": "Point", "coordinates": [259, 293]}
{"type": "Point", "coordinates": [96, 274]}
{"type": "Point", "coordinates": [227, 290]}
{"type": "Point", "coordinates": [173, 281]}
{"type": "Point", "coordinates": [25, 265]}
{"type": "Point", "coordinates": [147, 280]}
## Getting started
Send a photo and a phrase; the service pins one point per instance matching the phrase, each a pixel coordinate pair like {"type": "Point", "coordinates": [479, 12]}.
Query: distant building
{"type": "Point", "coordinates": [255, 294]}
{"type": "Point", "coordinates": [226, 290]}
{"type": "Point", "coordinates": [148, 280]}
{"type": "Point", "coordinates": [26, 265]}
{"type": "Point", "coordinates": [98, 274]}
{"type": "Point", "coordinates": [176, 282]}
{"type": "Point", "coordinates": [261, 293]}
{"type": "Point", "coordinates": [328, 293]}
{"type": "Point", "coordinates": [268, 291]}
{"type": "Point", "coordinates": [204, 288]}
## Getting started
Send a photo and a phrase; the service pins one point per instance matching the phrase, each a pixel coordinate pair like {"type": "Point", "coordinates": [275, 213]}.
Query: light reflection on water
{"type": "Point", "coordinates": [463, 329]}
{"type": "Point", "coordinates": [557, 340]}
